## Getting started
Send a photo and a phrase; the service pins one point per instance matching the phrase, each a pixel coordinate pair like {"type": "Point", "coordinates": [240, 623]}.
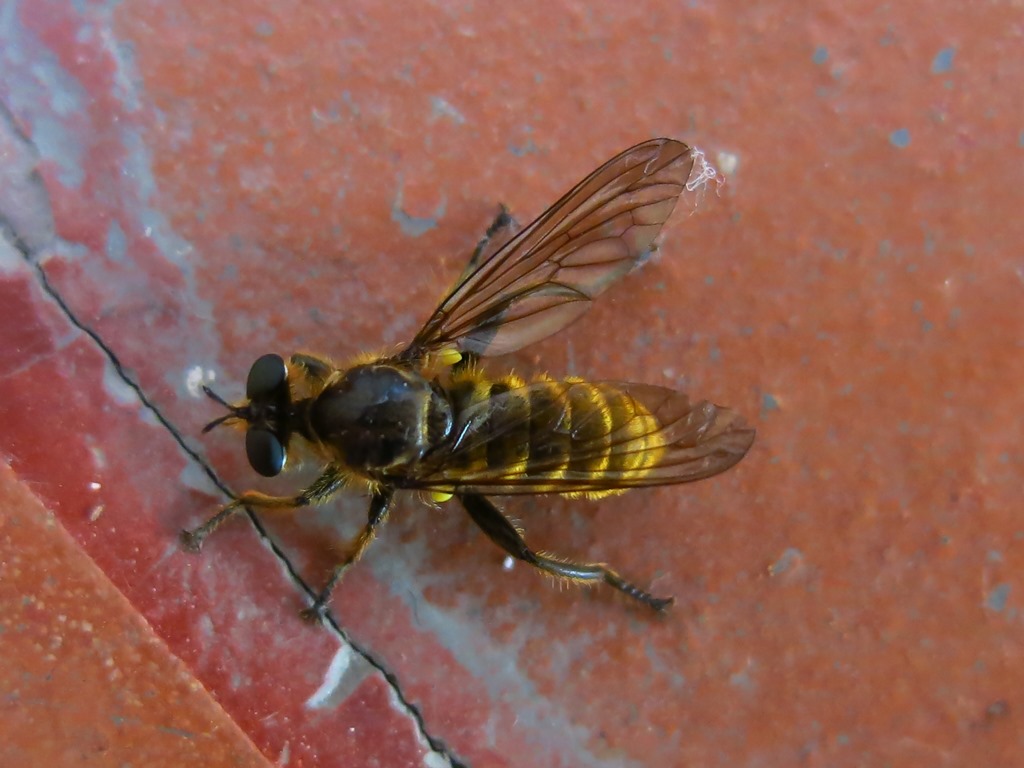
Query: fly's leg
{"type": "Point", "coordinates": [503, 533]}
{"type": "Point", "coordinates": [502, 229]}
{"type": "Point", "coordinates": [325, 486]}
{"type": "Point", "coordinates": [380, 505]}
{"type": "Point", "coordinates": [498, 235]}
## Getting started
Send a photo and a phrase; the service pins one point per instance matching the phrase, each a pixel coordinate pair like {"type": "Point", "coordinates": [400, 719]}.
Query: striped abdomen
{"type": "Point", "coordinates": [553, 433]}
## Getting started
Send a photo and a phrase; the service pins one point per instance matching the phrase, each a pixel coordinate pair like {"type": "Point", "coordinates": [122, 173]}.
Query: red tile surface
{"type": "Point", "coordinates": [85, 680]}
{"type": "Point", "coordinates": [186, 186]}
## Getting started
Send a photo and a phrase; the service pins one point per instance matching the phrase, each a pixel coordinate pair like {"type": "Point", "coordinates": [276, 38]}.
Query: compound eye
{"type": "Point", "coordinates": [265, 453]}
{"type": "Point", "coordinates": [267, 376]}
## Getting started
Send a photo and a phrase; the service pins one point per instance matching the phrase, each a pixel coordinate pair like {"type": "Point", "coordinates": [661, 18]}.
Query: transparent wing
{"type": "Point", "coordinates": [584, 437]}
{"type": "Point", "coordinates": [546, 275]}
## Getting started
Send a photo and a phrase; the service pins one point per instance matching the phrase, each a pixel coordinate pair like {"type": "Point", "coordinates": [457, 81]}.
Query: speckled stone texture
{"type": "Point", "coordinates": [185, 186]}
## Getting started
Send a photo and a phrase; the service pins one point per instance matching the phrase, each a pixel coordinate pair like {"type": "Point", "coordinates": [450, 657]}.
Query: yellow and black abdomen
{"type": "Point", "coordinates": [571, 436]}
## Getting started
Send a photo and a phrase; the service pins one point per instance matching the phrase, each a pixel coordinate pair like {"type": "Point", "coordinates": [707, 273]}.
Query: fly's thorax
{"type": "Point", "coordinates": [379, 417]}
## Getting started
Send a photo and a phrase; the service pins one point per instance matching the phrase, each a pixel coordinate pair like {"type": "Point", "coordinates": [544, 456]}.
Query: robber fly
{"type": "Point", "coordinates": [428, 419]}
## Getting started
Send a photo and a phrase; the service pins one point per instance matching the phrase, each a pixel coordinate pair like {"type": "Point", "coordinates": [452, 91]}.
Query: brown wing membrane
{"type": "Point", "coordinates": [640, 436]}
{"type": "Point", "coordinates": [545, 276]}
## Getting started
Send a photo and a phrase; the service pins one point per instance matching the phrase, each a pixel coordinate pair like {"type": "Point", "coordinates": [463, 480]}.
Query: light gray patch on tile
{"type": "Point", "coordinates": [998, 597]}
{"type": "Point", "coordinates": [440, 108]}
{"type": "Point", "coordinates": [343, 676]}
{"type": "Point", "coordinates": [415, 226]}
{"type": "Point", "coordinates": [943, 61]}
{"type": "Point", "coordinates": [117, 245]}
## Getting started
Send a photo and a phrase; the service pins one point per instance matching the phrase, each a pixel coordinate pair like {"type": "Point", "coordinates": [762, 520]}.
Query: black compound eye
{"type": "Point", "coordinates": [265, 453]}
{"type": "Point", "coordinates": [266, 376]}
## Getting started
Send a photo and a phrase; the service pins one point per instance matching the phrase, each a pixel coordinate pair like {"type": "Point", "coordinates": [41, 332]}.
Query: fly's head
{"type": "Point", "coordinates": [266, 414]}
